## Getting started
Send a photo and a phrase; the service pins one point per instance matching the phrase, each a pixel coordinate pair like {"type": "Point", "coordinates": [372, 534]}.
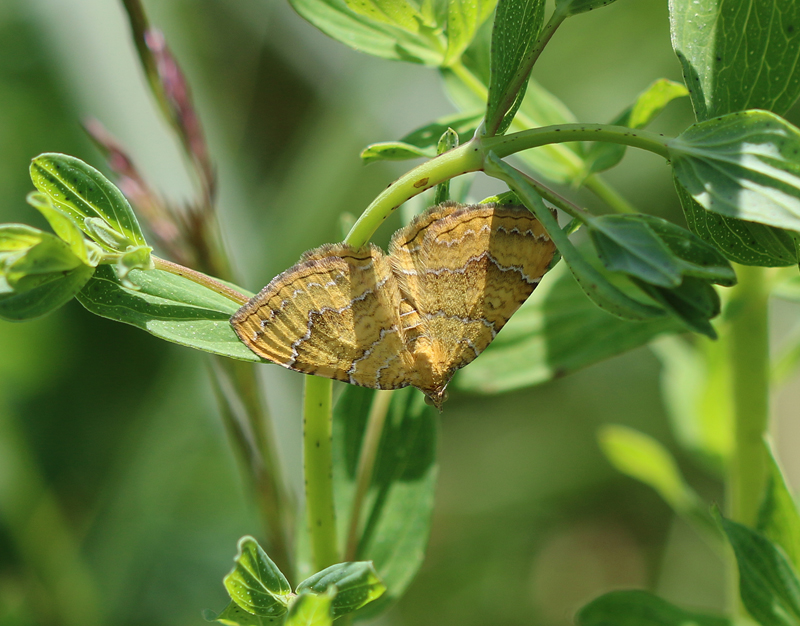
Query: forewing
{"type": "Point", "coordinates": [466, 270]}
{"type": "Point", "coordinates": [334, 314]}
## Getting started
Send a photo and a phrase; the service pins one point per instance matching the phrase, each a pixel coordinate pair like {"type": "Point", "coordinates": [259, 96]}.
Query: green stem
{"type": "Point", "coordinates": [318, 469]}
{"type": "Point", "coordinates": [200, 279]}
{"type": "Point", "coordinates": [507, 145]}
{"type": "Point", "coordinates": [366, 465]}
{"type": "Point", "coordinates": [749, 358]}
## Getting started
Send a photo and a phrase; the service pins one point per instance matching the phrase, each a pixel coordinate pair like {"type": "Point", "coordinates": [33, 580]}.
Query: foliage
{"type": "Point", "coordinates": [371, 457]}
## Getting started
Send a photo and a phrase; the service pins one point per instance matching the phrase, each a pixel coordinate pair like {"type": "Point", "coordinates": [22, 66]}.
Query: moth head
{"type": "Point", "coordinates": [436, 398]}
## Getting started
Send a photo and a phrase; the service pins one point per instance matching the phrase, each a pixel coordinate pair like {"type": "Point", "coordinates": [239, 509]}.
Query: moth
{"type": "Point", "coordinates": [452, 279]}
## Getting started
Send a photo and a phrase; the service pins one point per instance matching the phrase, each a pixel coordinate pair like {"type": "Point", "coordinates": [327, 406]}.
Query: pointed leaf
{"type": "Point", "coordinates": [42, 294]}
{"type": "Point", "coordinates": [357, 584]}
{"type": "Point", "coordinates": [517, 25]}
{"type": "Point", "coordinates": [574, 7]}
{"type": "Point", "coordinates": [463, 19]}
{"type": "Point", "coordinates": [168, 306]}
{"type": "Point", "coordinates": [255, 583]}
{"type": "Point", "coordinates": [694, 302]}
{"type": "Point", "coordinates": [394, 151]}
{"type": "Point", "coordinates": [768, 584]}
{"type": "Point", "coordinates": [744, 165]}
{"type": "Point", "coordinates": [81, 192]}
{"type": "Point", "coordinates": [66, 228]}
{"type": "Point", "coordinates": [778, 517]}
{"type": "Point", "coordinates": [640, 608]}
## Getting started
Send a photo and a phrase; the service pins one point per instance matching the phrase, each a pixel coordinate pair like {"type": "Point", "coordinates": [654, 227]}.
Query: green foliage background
{"type": "Point", "coordinates": [120, 501]}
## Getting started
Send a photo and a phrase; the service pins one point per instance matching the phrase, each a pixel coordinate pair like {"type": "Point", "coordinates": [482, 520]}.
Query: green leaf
{"type": "Point", "coordinates": [422, 142]}
{"type": "Point", "coordinates": [362, 33]}
{"type": "Point", "coordinates": [744, 165]}
{"type": "Point", "coordinates": [627, 244]}
{"type": "Point", "coordinates": [695, 383]}
{"type": "Point", "coordinates": [656, 251]}
{"type": "Point", "coordinates": [556, 332]}
{"type": "Point", "coordinates": [168, 306]}
{"type": "Point", "coordinates": [517, 25]}
{"type": "Point", "coordinates": [640, 608]}
{"type": "Point", "coordinates": [747, 243]}
{"type": "Point", "coordinates": [357, 584]}
{"type": "Point", "coordinates": [394, 151]}
{"type": "Point", "coordinates": [768, 584]}
{"type": "Point", "coordinates": [255, 583]}
{"type": "Point", "coordinates": [738, 56]}
{"type": "Point", "coordinates": [593, 282]}
{"type": "Point", "coordinates": [778, 517]}
{"type": "Point", "coordinates": [80, 191]}
{"type": "Point", "coordinates": [66, 229]}
{"type": "Point", "coordinates": [395, 12]}
{"type": "Point", "coordinates": [641, 457]}
{"type": "Point", "coordinates": [234, 615]}
{"type": "Point", "coordinates": [309, 609]}
{"type": "Point", "coordinates": [463, 19]}
{"type": "Point", "coordinates": [42, 294]}
{"type": "Point", "coordinates": [395, 517]}
{"type": "Point", "coordinates": [694, 302]}
{"type": "Point", "coordinates": [28, 252]}
{"type": "Point", "coordinates": [601, 156]}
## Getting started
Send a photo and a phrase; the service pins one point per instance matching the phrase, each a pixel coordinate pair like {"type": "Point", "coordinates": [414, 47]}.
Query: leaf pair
{"type": "Point", "coordinates": [261, 594]}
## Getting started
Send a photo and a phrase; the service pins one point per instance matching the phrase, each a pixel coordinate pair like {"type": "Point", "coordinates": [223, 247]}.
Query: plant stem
{"type": "Point", "coordinates": [200, 279]}
{"type": "Point", "coordinates": [749, 358]}
{"type": "Point", "coordinates": [509, 144]}
{"type": "Point", "coordinates": [366, 465]}
{"type": "Point", "coordinates": [318, 469]}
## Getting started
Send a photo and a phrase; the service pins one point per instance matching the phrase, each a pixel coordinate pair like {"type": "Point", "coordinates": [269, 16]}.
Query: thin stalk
{"type": "Point", "coordinates": [750, 367]}
{"type": "Point", "coordinates": [200, 279]}
{"type": "Point", "coordinates": [366, 465]}
{"type": "Point", "coordinates": [507, 145]}
{"type": "Point", "coordinates": [318, 470]}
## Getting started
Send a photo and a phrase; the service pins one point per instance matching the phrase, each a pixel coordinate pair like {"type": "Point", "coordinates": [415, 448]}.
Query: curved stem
{"type": "Point", "coordinates": [318, 470]}
{"type": "Point", "coordinates": [560, 133]}
{"type": "Point", "coordinates": [200, 279]}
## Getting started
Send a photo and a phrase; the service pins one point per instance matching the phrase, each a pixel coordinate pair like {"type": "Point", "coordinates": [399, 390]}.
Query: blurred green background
{"type": "Point", "coordinates": [120, 500]}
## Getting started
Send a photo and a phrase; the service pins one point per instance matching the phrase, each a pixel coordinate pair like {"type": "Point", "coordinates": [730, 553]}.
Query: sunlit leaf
{"type": "Point", "coordinates": [517, 25]}
{"type": "Point", "coordinates": [255, 583]}
{"type": "Point", "coordinates": [309, 609]}
{"type": "Point", "coordinates": [80, 191]}
{"type": "Point", "coordinates": [357, 585]}
{"type": "Point", "coordinates": [736, 56]}
{"type": "Point", "coordinates": [744, 165]}
{"type": "Point", "coordinates": [463, 19]}
{"type": "Point", "coordinates": [66, 228]}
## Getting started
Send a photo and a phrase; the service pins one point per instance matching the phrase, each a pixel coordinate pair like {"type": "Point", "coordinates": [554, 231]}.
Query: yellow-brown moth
{"type": "Point", "coordinates": [451, 280]}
